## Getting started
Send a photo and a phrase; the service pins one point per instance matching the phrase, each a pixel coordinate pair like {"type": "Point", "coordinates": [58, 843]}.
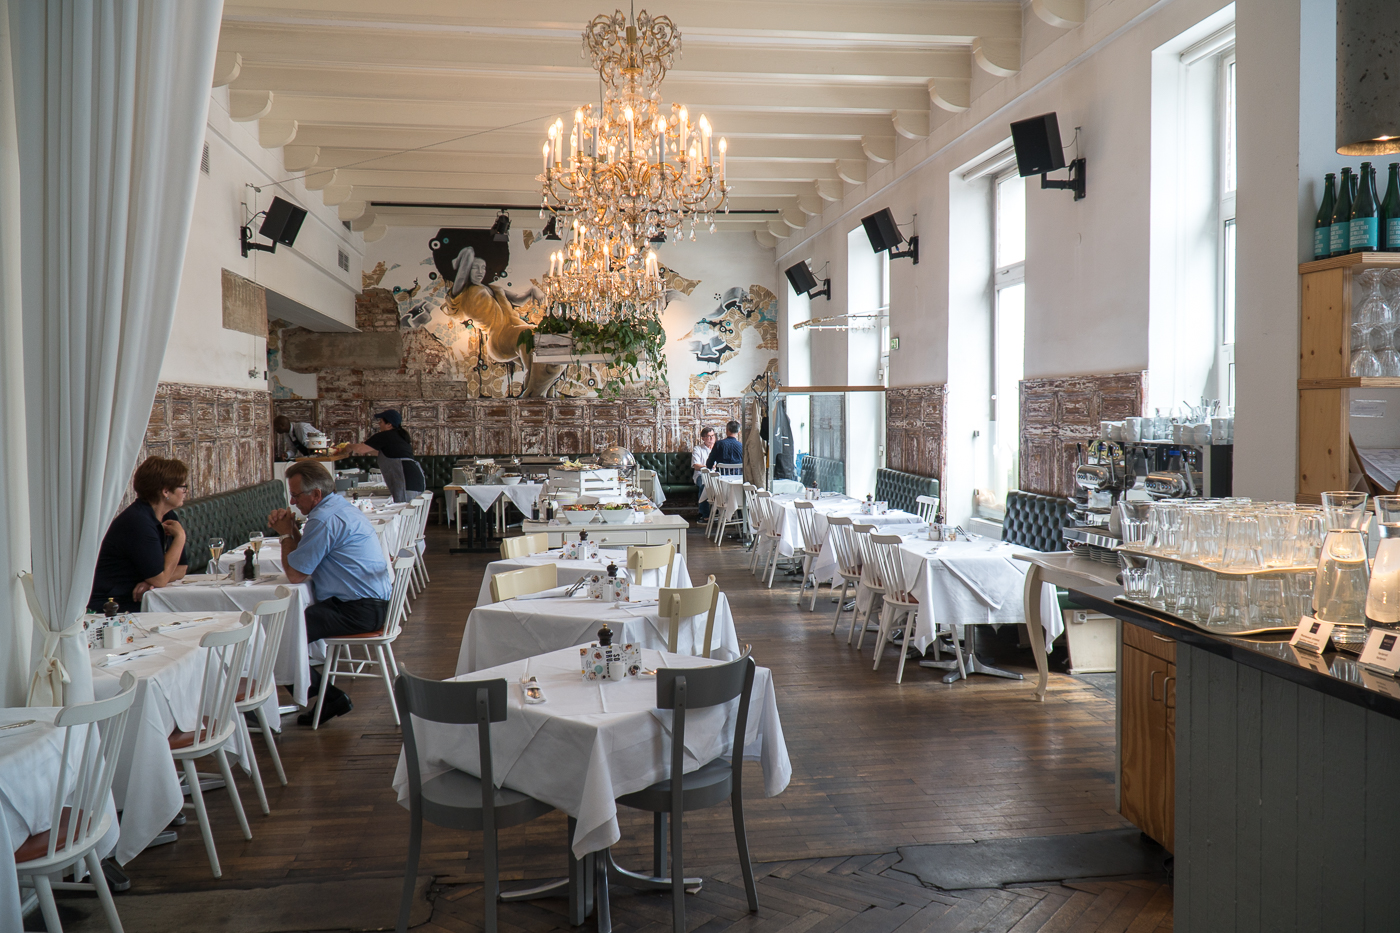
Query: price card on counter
{"type": "Point", "coordinates": [1311, 635]}
{"type": "Point", "coordinates": [1382, 651]}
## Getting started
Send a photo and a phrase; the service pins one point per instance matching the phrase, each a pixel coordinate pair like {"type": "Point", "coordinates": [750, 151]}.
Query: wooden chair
{"type": "Point", "coordinates": [260, 684]}
{"type": "Point", "coordinates": [757, 506]}
{"type": "Point", "coordinates": [678, 604]}
{"type": "Point", "coordinates": [841, 539]}
{"type": "Point", "coordinates": [770, 533]}
{"type": "Point", "coordinates": [379, 646]}
{"type": "Point", "coordinates": [92, 741]}
{"type": "Point", "coordinates": [524, 545]}
{"type": "Point", "coordinates": [420, 542]}
{"type": "Point", "coordinates": [928, 509]}
{"type": "Point", "coordinates": [729, 518]}
{"type": "Point", "coordinates": [729, 469]}
{"type": "Point", "coordinates": [898, 602]}
{"type": "Point", "coordinates": [641, 559]}
{"type": "Point", "coordinates": [217, 722]}
{"type": "Point", "coordinates": [811, 548]}
{"type": "Point", "coordinates": [681, 690]}
{"type": "Point", "coordinates": [457, 800]}
{"type": "Point", "coordinates": [870, 581]}
{"type": "Point", "coordinates": [524, 581]}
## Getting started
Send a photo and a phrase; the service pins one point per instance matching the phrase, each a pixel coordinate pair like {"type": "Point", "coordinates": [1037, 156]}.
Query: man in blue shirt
{"type": "Point", "coordinates": [339, 553]}
{"type": "Point", "coordinates": [729, 450]}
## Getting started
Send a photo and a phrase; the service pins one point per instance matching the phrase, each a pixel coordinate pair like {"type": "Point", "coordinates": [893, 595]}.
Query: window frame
{"type": "Point", "coordinates": [1004, 276]}
{"type": "Point", "coordinates": [1227, 230]}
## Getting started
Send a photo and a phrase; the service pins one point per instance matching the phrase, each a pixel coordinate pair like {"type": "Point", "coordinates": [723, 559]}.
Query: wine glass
{"type": "Point", "coordinates": [1368, 319]}
{"type": "Point", "coordinates": [255, 541]}
{"type": "Point", "coordinates": [216, 550]}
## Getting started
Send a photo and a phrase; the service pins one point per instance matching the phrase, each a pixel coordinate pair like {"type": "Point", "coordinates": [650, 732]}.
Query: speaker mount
{"type": "Point", "coordinates": [1075, 182]}
{"type": "Point", "coordinates": [911, 253]}
{"type": "Point", "coordinates": [245, 236]}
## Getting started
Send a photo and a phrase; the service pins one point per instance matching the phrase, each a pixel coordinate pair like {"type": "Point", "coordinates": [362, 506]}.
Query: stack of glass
{"type": "Point", "coordinates": [1374, 323]}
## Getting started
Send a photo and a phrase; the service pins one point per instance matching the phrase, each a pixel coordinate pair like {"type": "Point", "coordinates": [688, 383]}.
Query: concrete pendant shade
{"type": "Point", "coordinates": [1368, 77]}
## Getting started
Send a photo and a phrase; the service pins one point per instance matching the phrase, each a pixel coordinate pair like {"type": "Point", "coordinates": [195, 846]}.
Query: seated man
{"type": "Point", "coordinates": [730, 450]}
{"type": "Point", "coordinates": [144, 547]}
{"type": "Point", "coordinates": [699, 455]}
{"type": "Point", "coordinates": [340, 554]}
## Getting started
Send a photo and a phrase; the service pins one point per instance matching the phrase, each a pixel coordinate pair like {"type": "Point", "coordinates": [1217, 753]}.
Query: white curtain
{"type": "Point", "coordinates": [111, 102]}
{"type": "Point", "coordinates": [15, 626]}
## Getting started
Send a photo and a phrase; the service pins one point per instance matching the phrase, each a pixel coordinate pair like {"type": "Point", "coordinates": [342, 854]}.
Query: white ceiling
{"type": "Point", "coordinates": [808, 92]}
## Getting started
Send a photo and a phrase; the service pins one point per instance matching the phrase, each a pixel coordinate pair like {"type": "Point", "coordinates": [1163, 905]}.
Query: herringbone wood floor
{"type": "Point", "coordinates": [875, 766]}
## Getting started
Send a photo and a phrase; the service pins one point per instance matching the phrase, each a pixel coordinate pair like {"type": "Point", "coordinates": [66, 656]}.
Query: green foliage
{"type": "Point", "coordinates": [636, 344]}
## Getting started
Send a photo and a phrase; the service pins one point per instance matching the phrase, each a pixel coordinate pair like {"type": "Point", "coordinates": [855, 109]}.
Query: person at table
{"type": "Point", "coordinates": [339, 553]}
{"type": "Point", "coordinates": [699, 457]}
{"type": "Point", "coordinates": [730, 450]}
{"type": "Point", "coordinates": [290, 437]}
{"type": "Point", "coordinates": [394, 447]}
{"type": "Point", "coordinates": [144, 547]}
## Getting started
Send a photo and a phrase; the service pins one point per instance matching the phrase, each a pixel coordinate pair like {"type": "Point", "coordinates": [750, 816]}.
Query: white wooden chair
{"type": "Point", "coordinates": [379, 646]}
{"type": "Point", "coordinates": [412, 515]}
{"type": "Point", "coordinates": [811, 548]}
{"type": "Point", "coordinates": [260, 684]}
{"type": "Point", "coordinates": [756, 501]}
{"type": "Point", "coordinates": [729, 469]}
{"type": "Point", "coordinates": [524, 545]}
{"type": "Point", "coordinates": [420, 542]}
{"type": "Point", "coordinates": [928, 509]}
{"type": "Point", "coordinates": [841, 539]}
{"type": "Point", "coordinates": [642, 559]}
{"type": "Point", "coordinates": [678, 604]}
{"type": "Point", "coordinates": [226, 657]}
{"type": "Point", "coordinates": [92, 742]}
{"type": "Point", "coordinates": [729, 518]}
{"type": "Point", "coordinates": [524, 581]}
{"type": "Point", "coordinates": [770, 532]}
{"type": "Point", "coordinates": [899, 602]}
{"type": "Point", "coordinates": [870, 581]}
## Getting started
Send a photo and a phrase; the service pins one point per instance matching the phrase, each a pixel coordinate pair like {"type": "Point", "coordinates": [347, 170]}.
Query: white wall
{"type": "Point", "coordinates": [200, 351]}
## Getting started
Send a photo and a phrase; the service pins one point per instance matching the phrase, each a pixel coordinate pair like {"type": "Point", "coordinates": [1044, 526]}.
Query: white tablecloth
{"type": "Point", "coordinates": [521, 628]}
{"type": "Point", "coordinates": [790, 540]}
{"type": "Point", "coordinates": [522, 494]}
{"type": "Point", "coordinates": [387, 519]}
{"type": "Point", "coordinates": [591, 743]}
{"type": "Point", "coordinates": [567, 571]}
{"type": "Point", "coordinates": [293, 668]}
{"type": "Point", "coordinates": [29, 765]}
{"type": "Point", "coordinates": [725, 493]}
{"type": "Point", "coordinates": [971, 583]}
{"type": "Point", "coordinates": [147, 783]}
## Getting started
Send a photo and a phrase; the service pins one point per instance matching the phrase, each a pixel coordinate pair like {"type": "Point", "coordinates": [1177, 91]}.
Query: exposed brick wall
{"type": "Point", "coordinates": [915, 429]}
{"type": "Point", "coordinates": [1058, 414]}
{"type": "Point", "coordinates": [224, 435]}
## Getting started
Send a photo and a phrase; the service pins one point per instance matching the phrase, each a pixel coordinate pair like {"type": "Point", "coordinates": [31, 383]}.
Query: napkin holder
{"type": "Point", "coordinates": [603, 660]}
{"type": "Point", "coordinates": [580, 550]}
{"type": "Point", "coordinates": [114, 632]}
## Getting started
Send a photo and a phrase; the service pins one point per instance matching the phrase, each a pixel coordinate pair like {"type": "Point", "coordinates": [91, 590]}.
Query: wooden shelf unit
{"type": "Point", "coordinates": [1324, 367]}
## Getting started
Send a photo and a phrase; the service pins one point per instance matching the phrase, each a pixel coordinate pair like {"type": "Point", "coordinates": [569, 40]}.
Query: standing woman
{"type": "Point", "coordinates": [144, 547]}
{"type": "Point", "coordinates": [391, 443]}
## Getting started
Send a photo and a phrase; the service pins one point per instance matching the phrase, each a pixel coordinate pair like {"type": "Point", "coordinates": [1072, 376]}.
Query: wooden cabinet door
{"type": "Point", "coordinates": [1148, 752]}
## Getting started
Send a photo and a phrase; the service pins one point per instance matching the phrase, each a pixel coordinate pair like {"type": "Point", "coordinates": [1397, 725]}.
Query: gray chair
{"type": "Point", "coordinates": [680, 690]}
{"type": "Point", "coordinates": [455, 799]}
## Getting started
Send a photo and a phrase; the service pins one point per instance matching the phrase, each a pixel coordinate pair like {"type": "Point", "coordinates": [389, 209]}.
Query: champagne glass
{"type": "Point", "coordinates": [216, 550]}
{"type": "Point", "coordinates": [255, 542]}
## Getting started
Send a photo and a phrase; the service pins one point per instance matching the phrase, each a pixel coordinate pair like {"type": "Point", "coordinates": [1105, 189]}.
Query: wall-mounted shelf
{"type": "Point", "coordinates": [1352, 382]}
{"type": "Point", "coordinates": [1351, 259]}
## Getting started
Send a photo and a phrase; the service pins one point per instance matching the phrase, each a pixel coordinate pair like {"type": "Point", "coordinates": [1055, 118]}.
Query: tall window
{"type": "Point", "coordinates": [1008, 342]}
{"type": "Point", "coordinates": [1225, 359]}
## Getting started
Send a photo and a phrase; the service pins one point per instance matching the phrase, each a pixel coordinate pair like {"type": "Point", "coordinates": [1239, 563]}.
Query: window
{"type": "Point", "coordinates": [1008, 343]}
{"type": "Point", "coordinates": [1225, 356]}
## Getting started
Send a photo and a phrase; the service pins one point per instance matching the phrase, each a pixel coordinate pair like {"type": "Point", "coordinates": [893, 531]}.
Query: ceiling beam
{"type": "Point", "coordinates": [226, 67]}
{"type": "Point", "coordinates": [911, 124]}
{"type": "Point", "coordinates": [1000, 57]}
{"type": "Point", "coordinates": [247, 106]}
{"type": "Point", "coordinates": [1062, 14]}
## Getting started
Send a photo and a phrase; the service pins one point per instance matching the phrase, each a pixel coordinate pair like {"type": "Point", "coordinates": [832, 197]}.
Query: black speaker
{"type": "Point", "coordinates": [283, 222]}
{"type": "Point", "coordinates": [801, 278]}
{"type": "Point", "coordinates": [881, 230]}
{"type": "Point", "coordinates": [1037, 143]}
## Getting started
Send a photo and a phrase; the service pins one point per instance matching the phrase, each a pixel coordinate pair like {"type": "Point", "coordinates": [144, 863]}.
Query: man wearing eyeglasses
{"type": "Point", "coordinates": [339, 553]}
{"type": "Point", "coordinates": [698, 457]}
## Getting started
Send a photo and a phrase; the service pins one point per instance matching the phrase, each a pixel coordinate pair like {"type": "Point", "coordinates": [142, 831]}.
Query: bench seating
{"type": "Point", "coordinates": [1035, 521]}
{"type": "Point", "coordinates": [902, 490]}
{"type": "Point", "coordinates": [231, 515]}
{"type": "Point", "coordinates": [826, 474]}
{"type": "Point", "coordinates": [673, 470]}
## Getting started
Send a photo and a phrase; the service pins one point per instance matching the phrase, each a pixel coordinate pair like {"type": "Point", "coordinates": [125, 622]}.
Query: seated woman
{"type": "Point", "coordinates": [402, 474]}
{"type": "Point", "coordinates": [145, 545]}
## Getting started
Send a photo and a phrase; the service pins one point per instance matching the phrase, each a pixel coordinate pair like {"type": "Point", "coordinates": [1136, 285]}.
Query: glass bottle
{"type": "Point", "coordinates": [1383, 594]}
{"type": "Point", "coordinates": [1339, 232]}
{"type": "Point", "coordinates": [1322, 226]}
{"type": "Point", "coordinates": [1364, 234]}
{"type": "Point", "coordinates": [1390, 212]}
{"type": "Point", "coordinates": [1343, 577]}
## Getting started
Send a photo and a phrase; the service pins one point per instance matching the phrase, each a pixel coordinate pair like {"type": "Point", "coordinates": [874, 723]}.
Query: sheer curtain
{"type": "Point", "coordinates": [111, 100]}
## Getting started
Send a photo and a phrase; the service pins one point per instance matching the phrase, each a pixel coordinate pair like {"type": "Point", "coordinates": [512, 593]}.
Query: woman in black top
{"type": "Point", "coordinates": [391, 443]}
{"type": "Point", "coordinates": [144, 547]}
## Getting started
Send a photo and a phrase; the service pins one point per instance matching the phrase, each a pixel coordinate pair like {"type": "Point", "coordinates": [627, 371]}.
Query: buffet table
{"type": "Point", "coordinates": [653, 528]}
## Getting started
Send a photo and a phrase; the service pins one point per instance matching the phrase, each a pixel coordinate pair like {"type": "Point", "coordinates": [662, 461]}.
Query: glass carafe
{"type": "Point", "coordinates": [1383, 595]}
{"type": "Point", "coordinates": [1342, 574]}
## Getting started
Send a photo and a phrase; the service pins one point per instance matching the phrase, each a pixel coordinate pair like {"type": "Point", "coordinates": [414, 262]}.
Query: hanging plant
{"type": "Point", "coordinates": [635, 344]}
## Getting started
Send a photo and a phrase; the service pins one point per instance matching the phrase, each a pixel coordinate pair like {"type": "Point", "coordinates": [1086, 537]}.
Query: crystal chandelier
{"type": "Point", "coordinates": [625, 166]}
{"type": "Point", "coordinates": [587, 281]}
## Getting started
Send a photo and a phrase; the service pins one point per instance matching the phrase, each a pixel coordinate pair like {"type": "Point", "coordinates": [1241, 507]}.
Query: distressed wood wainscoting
{"type": "Point", "coordinates": [915, 429]}
{"type": "Point", "coordinates": [1059, 413]}
{"type": "Point", "coordinates": [224, 435]}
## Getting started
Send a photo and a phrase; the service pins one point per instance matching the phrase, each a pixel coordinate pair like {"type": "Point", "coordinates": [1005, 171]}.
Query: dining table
{"type": "Point", "coordinates": [168, 664]}
{"type": "Point", "coordinates": [490, 496]}
{"type": "Point", "coordinates": [386, 518]}
{"type": "Point", "coordinates": [497, 633]}
{"type": "Point", "coordinates": [724, 493]}
{"type": "Point", "coordinates": [567, 571]}
{"type": "Point", "coordinates": [790, 540]}
{"type": "Point", "coordinates": [203, 593]}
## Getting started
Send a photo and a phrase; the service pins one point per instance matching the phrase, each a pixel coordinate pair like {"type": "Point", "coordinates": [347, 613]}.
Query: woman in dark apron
{"type": "Point", "coordinates": [393, 446]}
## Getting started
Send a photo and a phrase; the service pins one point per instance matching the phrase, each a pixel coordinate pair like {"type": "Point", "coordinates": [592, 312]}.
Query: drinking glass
{"type": "Point", "coordinates": [1166, 520]}
{"type": "Point", "coordinates": [1230, 603]}
{"type": "Point", "coordinates": [1137, 583]}
{"type": "Point", "coordinates": [1242, 551]}
{"type": "Point", "coordinates": [255, 541]}
{"type": "Point", "coordinates": [1310, 532]}
{"type": "Point", "coordinates": [1383, 593]}
{"type": "Point", "coordinates": [1133, 520]}
{"type": "Point", "coordinates": [1277, 531]}
{"type": "Point", "coordinates": [1299, 595]}
{"type": "Point", "coordinates": [1169, 581]}
{"type": "Point", "coordinates": [1269, 595]}
{"type": "Point", "coordinates": [1343, 576]}
{"type": "Point", "coordinates": [216, 550]}
{"type": "Point", "coordinates": [1197, 594]}
{"type": "Point", "coordinates": [1367, 317]}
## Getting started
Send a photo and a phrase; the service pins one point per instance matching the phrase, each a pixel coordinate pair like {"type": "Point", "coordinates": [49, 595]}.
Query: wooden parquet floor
{"type": "Point", "coordinates": [875, 766]}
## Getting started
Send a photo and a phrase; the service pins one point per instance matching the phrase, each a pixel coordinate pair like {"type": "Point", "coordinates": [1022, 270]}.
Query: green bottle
{"type": "Point", "coordinates": [1390, 212]}
{"type": "Point", "coordinates": [1339, 235]}
{"type": "Point", "coordinates": [1322, 227]}
{"type": "Point", "coordinates": [1365, 234]}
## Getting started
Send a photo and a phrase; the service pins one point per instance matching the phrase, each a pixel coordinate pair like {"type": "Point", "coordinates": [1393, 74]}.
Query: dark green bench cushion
{"type": "Point", "coordinates": [231, 515]}
{"type": "Point", "coordinates": [1035, 521]}
{"type": "Point", "coordinates": [829, 475]}
{"type": "Point", "coordinates": [902, 490]}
